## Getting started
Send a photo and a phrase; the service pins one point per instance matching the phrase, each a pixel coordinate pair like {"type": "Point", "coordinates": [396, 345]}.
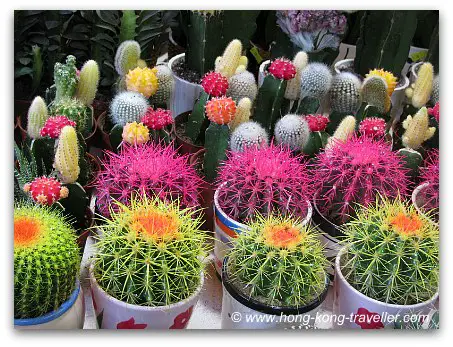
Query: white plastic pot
{"type": "Point", "coordinates": [417, 200]}
{"type": "Point", "coordinates": [70, 315]}
{"type": "Point", "coordinates": [361, 312]}
{"type": "Point", "coordinates": [185, 94]}
{"type": "Point", "coordinates": [115, 314]}
{"type": "Point", "coordinates": [414, 71]}
{"type": "Point", "coordinates": [262, 73]}
{"type": "Point", "coordinates": [397, 98]}
{"type": "Point", "coordinates": [341, 63]}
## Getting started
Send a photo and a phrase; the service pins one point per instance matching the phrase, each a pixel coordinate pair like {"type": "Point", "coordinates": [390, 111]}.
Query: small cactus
{"type": "Point", "coordinates": [242, 85]}
{"type": "Point", "coordinates": [423, 85]}
{"type": "Point", "coordinates": [52, 127]}
{"type": "Point", "coordinates": [65, 76]}
{"type": "Point", "coordinates": [417, 129]}
{"type": "Point", "coordinates": [135, 134]}
{"type": "Point", "coordinates": [157, 119]}
{"type": "Point", "coordinates": [435, 92]}
{"type": "Point", "coordinates": [76, 111]}
{"type": "Point", "coordinates": [390, 79]}
{"type": "Point", "coordinates": [317, 122]}
{"type": "Point", "coordinates": [316, 80]}
{"type": "Point", "coordinates": [127, 107]}
{"type": "Point", "coordinates": [293, 131]}
{"type": "Point", "coordinates": [292, 91]}
{"type": "Point", "coordinates": [345, 93]}
{"type": "Point", "coordinates": [430, 173]}
{"type": "Point", "coordinates": [127, 56]}
{"type": "Point", "coordinates": [46, 190]}
{"type": "Point", "coordinates": [143, 81]}
{"type": "Point", "coordinates": [282, 69]}
{"type": "Point", "coordinates": [372, 127]}
{"type": "Point", "coordinates": [435, 112]}
{"type": "Point", "coordinates": [88, 82]}
{"type": "Point", "coordinates": [214, 84]}
{"type": "Point", "coordinates": [375, 93]}
{"type": "Point", "coordinates": [166, 84]}
{"type": "Point", "coordinates": [36, 117]}
{"type": "Point", "coordinates": [67, 155]}
{"type": "Point", "coordinates": [344, 131]}
{"type": "Point", "coordinates": [220, 110]}
{"type": "Point", "coordinates": [243, 113]}
{"type": "Point", "coordinates": [248, 134]}
{"type": "Point", "coordinates": [232, 61]}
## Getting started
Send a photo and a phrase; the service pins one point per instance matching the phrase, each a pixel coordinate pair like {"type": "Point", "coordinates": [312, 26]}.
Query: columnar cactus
{"type": "Point", "coordinates": [88, 82]}
{"type": "Point", "coordinates": [345, 93]}
{"type": "Point", "coordinates": [243, 113]}
{"type": "Point", "coordinates": [76, 111]}
{"type": "Point", "coordinates": [166, 84]}
{"type": "Point", "coordinates": [417, 129]}
{"type": "Point", "coordinates": [46, 190]}
{"type": "Point", "coordinates": [423, 85]}
{"type": "Point", "coordinates": [242, 85]}
{"type": "Point", "coordinates": [292, 91]}
{"type": "Point", "coordinates": [375, 93]}
{"type": "Point", "coordinates": [392, 253]}
{"type": "Point", "coordinates": [135, 134]}
{"type": "Point", "coordinates": [232, 61]}
{"type": "Point", "coordinates": [143, 81]}
{"type": "Point", "coordinates": [65, 76]}
{"type": "Point", "coordinates": [53, 125]}
{"type": "Point", "coordinates": [46, 260]}
{"type": "Point", "coordinates": [390, 79]}
{"type": "Point", "coordinates": [279, 262]}
{"type": "Point", "coordinates": [372, 127]}
{"type": "Point", "coordinates": [352, 173]}
{"type": "Point", "coordinates": [127, 56]}
{"type": "Point", "coordinates": [162, 235]}
{"type": "Point", "coordinates": [248, 134]}
{"type": "Point", "coordinates": [344, 131]}
{"type": "Point", "coordinates": [127, 107]}
{"type": "Point", "coordinates": [214, 84]}
{"type": "Point", "coordinates": [36, 117]}
{"type": "Point", "coordinates": [293, 131]}
{"type": "Point", "coordinates": [267, 180]}
{"type": "Point", "coordinates": [316, 80]}
{"type": "Point", "coordinates": [67, 155]}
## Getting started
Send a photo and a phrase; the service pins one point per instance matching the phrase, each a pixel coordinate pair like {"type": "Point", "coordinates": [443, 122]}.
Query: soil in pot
{"type": "Point", "coordinates": [183, 142]}
{"type": "Point", "coordinates": [181, 70]}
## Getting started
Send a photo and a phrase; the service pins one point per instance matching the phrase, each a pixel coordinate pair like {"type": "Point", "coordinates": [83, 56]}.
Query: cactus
{"type": "Point", "coordinates": [36, 117]}
{"type": "Point", "coordinates": [435, 112]}
{"type": "Point", "coordinates": [392, 253]}
{"type": "Point", "coordinates": [384, 41]}
{"type": "Point", "coordinates": [435, 93]}
{"type": "Point", "coordinates": [248, 134]}
{"type": "Point", "coordinates": [166, 84]}
{"type": "Point", "coordinates": [292, 91]}
{"type": "Point", "coordinates": [46, 190]}
{"type": "Point", "coordinates": [372, 127]}
{"type": "Point", "coordinates": [352, 173]}
{"type": "Point", "coordinates": [143, 81]}
{"type": "Point", "coordinates": [65, 76]}
{"type": "Point", "coordinates": [417, 129]}
{"type": "Point", "coordinates": [423, 85]}
{"type": "Point", "coordinates": [242, 85]}
{"type": "Point", "coordinates": [374, 93]}
{"type": "Point", "coordinates": [430, 173]}
{"type": "Point", "coordinates": [214, 84]}
{"type": "Point", "coordinates": [389, 78]}
{"type": "Point", "coordinates": [221, 110]}
{"type": "Point", "coordinates": [316, 81]}
{"type": "Point", "coordinates": [282, 69]}
{"type": "Point", "coordinates": [267, 180]}
{"type": "Point", "coordinates": [279, 262]}
{"type": "Point", "coordinates": [53, 125]}
{"type": "Point", "coordinates": [162, 235]}
{"type": "Point", "coordinates": [345, 93]}
{"type": "Point", "coordinates": [46, 260]}
{"type": "Point", "coordinates": [135, 133]}
{"type": "Point", "coordinates": [76, 111]}
{"type": "Point", "coordinates": [317, 122]}
{"type": "Point", "coordinates": [152, 169]}
{"type": "Point", "coordinates": [293, 131]}
{"type": "Point", "coordinates": [127, 107]}
{"type": "Point", "coordinates": [67, 155]}
{"type": "Point", "coordinates": [344, 131]}
{"type": "Point", "coordinates": [157, 119]}
{"type": "Point", "coordinates": [88, 82]}
{"type": "Point", "coordinates": [127, 56]}
{"type": "Point", "coordinates": [232, 61]}
{"type": "Point", "coordinates": [318, 136]}
{"type": "Point", "coordinates": [243, 113]}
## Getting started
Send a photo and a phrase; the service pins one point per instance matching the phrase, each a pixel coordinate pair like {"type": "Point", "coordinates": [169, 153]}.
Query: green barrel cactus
{"type": "Point", "coordinates": [75, 110]}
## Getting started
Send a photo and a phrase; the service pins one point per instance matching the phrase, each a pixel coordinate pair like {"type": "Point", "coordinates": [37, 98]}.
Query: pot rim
{"type": "Point", "coordinates": [315, 207]}
{"type": "Point", "coordinates": [48, 317]}
{"type": "Point", "coordinates": [413, 73]}
{"type": "Point", "coordinates": [170, 66]}
{"type": "Point", "coordinates": [341, 277]}
{"type": "Point", "coordinates": [404, 86]}
{"type": "Point", "coordinates": [340, 62]}
{"type": "Point", "coordinates": [123, 304]}
{"type": "Point", "coordinates": [197, 147]}
{"type": "Point", "coordinates": [266, 309]}
{"type": "Point", "coordinates": [415, 193]}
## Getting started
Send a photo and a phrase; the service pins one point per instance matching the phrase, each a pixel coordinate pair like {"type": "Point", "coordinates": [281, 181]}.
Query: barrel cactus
{"type": "Point", "coordinates": [248, 134]}
{"type": "Point", "coordinates": [390, 79]}
{"type": "Point", "coordinates": [127, 56]}
{"type": "Point", "coordinates": [242, 85]}
{"type": "Point", "coordinates": [375, 93]}
{"type": "Point", "coordinates": [166, 84]}
{"type": "Point", "coordinates": [293, 131]}
{"type": "Point", "coordinates": [435, 93]}
{"type": "Point", "coordinates": [372, 127]}
{"type": "Point", "coordinates": [128, 107]}
{"type": "Point", "coordinates": [143, 81]}
{"type": "Point", "coordinates": [135, 134]}
{"type": "Point", "coordinates": [316, 80]}
{"type": "Point", "coordinates": [345, 93]}
{"type": "Point", "coordinates": [75, 110]}
{"type": "Point", "coordinates": [429, 173]}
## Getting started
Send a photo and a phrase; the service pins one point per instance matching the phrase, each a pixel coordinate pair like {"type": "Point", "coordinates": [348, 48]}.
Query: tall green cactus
{"type": "Point", "coordinates": [65, 76]}
{"type": "Point", "coordinates": [385, 39]}
{"type": "Point", "coordinates": [88, 82]}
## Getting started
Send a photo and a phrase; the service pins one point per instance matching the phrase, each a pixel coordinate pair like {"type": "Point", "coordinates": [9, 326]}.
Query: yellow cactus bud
{"type": "Point", "coordinates": [232, 58]}
{"type": "Point", "coordinates": [135, 133]}
{"type": "Point", "coordinates": [388, 76]}
{"type": "Point", "coordinates": [292, 91]}
{"type": "Point", "coordinates": [417, 129]}
{"type": "Point", "coordinates": [243, 112]}
{"type": "Point", "coordinates": [343, 132]}
{"type": "Point", "coordinates": [67, 155]}
{"type": "Point", "coordinates": [142, 80]}
{"type": "Point", "coordinates": [423, 85]}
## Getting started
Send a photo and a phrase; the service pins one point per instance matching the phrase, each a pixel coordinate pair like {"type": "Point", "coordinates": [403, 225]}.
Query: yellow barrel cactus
{"type": "Point", "coordinates": [135, 133]}
{"type": "Point", "coordinates": [143, 81]}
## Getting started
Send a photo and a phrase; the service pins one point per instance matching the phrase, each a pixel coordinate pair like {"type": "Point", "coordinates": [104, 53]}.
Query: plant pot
{"type": "Point", "coordinates": [185, 94]}
{"type": "Point", "coordinates": [184, 146]}
{"type": "Point", "coordinates": [262, 72]}
{"type": "Point", "coordinates": [115, 314]}
{"type": "Point", "coordinates": [238, 307]}
{"type": "Point", "coordinates": [416, 54]}
{"type": "Point", "coordinates": [344, 65]}
{"type": "Point", "coordinates": [349, 302]}
{"type": "Point", "coordinates": [226, 229]}
{"type": "Point", "coordinates": [397, 98]}
{"type": "Point", "coordinates": [414, 71]}
{"type": "Point", "coordinates": [346, 51]}
{"type": "Point", "coordinates": [95, 167]}
{"type": "Point", "coordinates": [418, 201]}
{"type": "Point", "coordinates": [70, 315]}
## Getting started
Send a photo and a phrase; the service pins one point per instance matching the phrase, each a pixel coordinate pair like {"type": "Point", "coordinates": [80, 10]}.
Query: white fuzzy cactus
{"type": "Point", "coordinates": [166, 84]}
{"type": "Point", "coordinates": [345, 93]}
{"type": "Point", "coordinates": [292, 91]}
{"type": "Point", "coordinates": [316, 79]}
{"type": "Point", "coordinates": [242, 85]}
{"type": "Point", "coordinates": [127, 56]}
{"type": "Point", "coordinates": [292, 130]}
{"type": "Point", "coordinates": [248, 134]}
{"type": "Point", "coordinates": [36, 117]}
{"type": "Point", "coordinates": [128, 107]}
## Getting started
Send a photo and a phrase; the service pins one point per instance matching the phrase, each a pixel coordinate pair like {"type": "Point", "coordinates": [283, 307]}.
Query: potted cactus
{"type": "Point", "coordinates": [276, 268]}
{"type": "Point", "coordinates": [148, 269]}
{"type": "Point", "coordinates": [47, 293]}
{"type": "Point", "coordinates": [266, 180]}
{"type": "Point", "coordinates": [389, 265]}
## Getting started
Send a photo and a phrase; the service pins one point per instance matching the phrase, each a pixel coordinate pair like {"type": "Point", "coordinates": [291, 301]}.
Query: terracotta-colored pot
{"type": "Point", "coordinates": [104, 125]}
{"type": "Point", "coordinates": [184, 147]}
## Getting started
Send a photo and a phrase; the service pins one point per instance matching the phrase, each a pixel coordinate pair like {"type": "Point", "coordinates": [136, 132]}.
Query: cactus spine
{"type": "Point", "coordinates": [243, 112]}
{"type": "Point", "coordinates": [242, 85]}
{"type": "Point", "coordinates": [246, 135]}
{"type": "Point", "coordinates": [65, 76]}
{"type": "Point", "coordinates": [316, 80]}
{"type": "Point", "coordinates": [423, 85]}
{"type": "Point", "coordinates": [36, 117]}
{"type": "Point", "coordinates": [292, 130]}
{"type": "Point", "coordinates": [75, 110]}
{"type": "Point", "coordinates": [344, 131]}
{"type": "Point", "coordinates": [232, 61]}
{"type": "Point", "coordinates": [88, 82]}
{"type": "Point", "coordinates": [67, 155]}
{"type": "Point", "coordinates": [127, 56]}
{"type": "Point", "coordinates": [128, 107]}
{"type": "Point", "coordinates": [292, 91]}
{"type": "Point", "coordinates": [417, 129]}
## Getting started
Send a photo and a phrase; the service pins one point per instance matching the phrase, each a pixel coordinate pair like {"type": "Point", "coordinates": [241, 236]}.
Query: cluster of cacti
{"type": "Point", "coordinates": [127, 56]}
{"type": "Point", "coordinates": [267, 180]}
{"type": "Point", "coordinates": [318, 137]}
{"type": "Point", "coordinates": [151, 169]}
{"type": "Point", "coordinates": [293, 131]}
{"type": "Point", "coordinates": [53, 125]}
{"type": "Point", "coordinates": [231, 61]}
{"type": "Point", "coordinates": [389, 78]}
{"type": "Point", "coordinates": [161, 234]}
{"type": "Point", "coordinates": [344, 93]}
{"type": "Point", "coordinates": [392, 253]}
{"type": "Point", "coordinates": [344, 131]}
{"type": "Point", "coordinates": [46, 190]}
{"type": "Point", "coordinates": [143, 81]}
{"type": "Point", "coordinates": [248, 134]}
{"type": "Point", "coordinates": [352, 173]}
{"type": "Point", "coordinates": [421, 90]}
{"type": "Point", "coordinates": [243, 113]}
{"type": "Point", "coordinates": [135, 133]}
{"type": "Point", "coordinates": [242, 85]}
{"type": "Point", "coordinates": [279, 262]}
{"type": "Point", "coordinates": [165, 84]}
{"type": "Point", "coordinates": [429, 173]}
{"type": "Point", "coordinates": [75, 110]}
{"type": "Point", "coordinates": [372, 127]}
{"type": "Point", "coordinates": [127, 107]}
{"type": "Point", "coordinates": [292, 91]}
{"type": "Point", "coordinates": [65, 77]}
{"type": "Point", "coordinates": [374, 92]}
{"type": "Point", "coordinates": [36, 117]}
{"type": "Point", "coordinates": [46, 260]}
{"type": "Point", "coordinates": [66, 160]}
{"type": "Point", "coordinates": [88, 82]}
{"type": "Point", "coordinates": [214, 84]}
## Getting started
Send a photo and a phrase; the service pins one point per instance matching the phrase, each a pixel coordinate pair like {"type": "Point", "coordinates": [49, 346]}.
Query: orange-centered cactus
{"type": "Point", "coordinates": [27, 231]}
{"type": "Point", "coordinates": [221, 110]}
{"type": "Point", "coordinates": [283, 235]}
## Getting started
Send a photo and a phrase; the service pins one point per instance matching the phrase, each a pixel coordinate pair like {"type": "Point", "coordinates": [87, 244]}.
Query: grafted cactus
{"type": "Point", "coordinates": [67, 155]}
{"type": "Point", "coordinates": [143, 81]}
{"type": "Point", "coordinates": [36, 117]}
